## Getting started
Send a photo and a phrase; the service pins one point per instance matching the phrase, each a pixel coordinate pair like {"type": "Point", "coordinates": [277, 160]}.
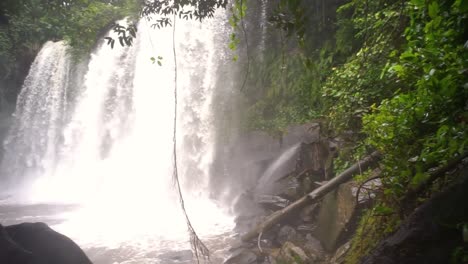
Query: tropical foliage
{"type": "Point", "coordinates": [390, 76]}
{"type": "Point", "coordinates": [380, 75]}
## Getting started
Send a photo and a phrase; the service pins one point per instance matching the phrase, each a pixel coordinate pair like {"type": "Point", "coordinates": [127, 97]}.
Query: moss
{"type": "Point", "coordinates": [371, 229]}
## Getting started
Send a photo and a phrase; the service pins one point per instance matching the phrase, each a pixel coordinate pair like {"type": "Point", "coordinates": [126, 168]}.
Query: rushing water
{"type": "Point", "coordinates": [276, 169]}
{"type": "Point", "coordinates": [108, 148]}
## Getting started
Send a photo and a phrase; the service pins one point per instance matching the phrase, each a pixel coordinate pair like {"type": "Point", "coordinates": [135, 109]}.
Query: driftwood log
{"type": "Point", "coordinates": [314, 196]}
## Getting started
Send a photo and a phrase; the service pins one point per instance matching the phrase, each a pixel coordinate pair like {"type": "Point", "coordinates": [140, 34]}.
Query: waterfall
{"type": "Point", "coordinates": [264, 26]}
{"type": "Point", "coordinates": [110, 151]}
{"type": "Point", "coordinates": [30, 144]}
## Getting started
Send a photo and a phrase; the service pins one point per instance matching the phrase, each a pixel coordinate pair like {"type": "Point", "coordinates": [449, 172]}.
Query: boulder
{"type": "Point", "coordinates": [336, 211]}
{"type": "Point", "coordinates": [313, 248]}
{"type": "Point", "coordinates": [37, 243]}
{"type": "Point", "coordinates": [290, 253]}
{"type": "Point", "coordinates": [272, 202]}
{"type": "Point", "coordinates": [431, 233]}
{"type": "Point", "coordinates": [10, 251]}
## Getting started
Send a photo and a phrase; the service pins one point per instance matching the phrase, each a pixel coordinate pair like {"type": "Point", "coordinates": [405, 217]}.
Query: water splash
{"type": "Point", "coordinates": [277, 168]}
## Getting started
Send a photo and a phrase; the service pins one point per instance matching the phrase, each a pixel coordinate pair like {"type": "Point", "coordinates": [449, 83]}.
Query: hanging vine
{"type": "Point", "coordinates": [198, 247]}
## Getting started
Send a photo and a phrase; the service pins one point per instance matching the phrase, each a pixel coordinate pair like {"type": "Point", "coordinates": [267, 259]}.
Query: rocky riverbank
{"type": "Point", "coordinates": [322, 232]}
{"type": "Point", "coordinates": [318, 233]}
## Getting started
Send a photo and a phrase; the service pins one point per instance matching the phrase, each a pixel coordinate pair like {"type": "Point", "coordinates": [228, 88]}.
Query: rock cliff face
{"type": "Point", "coordinates": [12, 79]}
{"type": "Point", "coordinates": [12, 76]}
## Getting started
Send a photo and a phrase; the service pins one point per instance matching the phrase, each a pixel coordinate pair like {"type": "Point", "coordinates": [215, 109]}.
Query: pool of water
{"type": "Point", "coordinates": [127, 239]}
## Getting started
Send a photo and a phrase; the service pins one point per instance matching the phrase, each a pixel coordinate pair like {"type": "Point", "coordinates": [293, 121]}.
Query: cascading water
{"type": "Point", "coordinates": [110, 151]}
{"type": "Point", "coordinates": [30, 145]}
{"type": "Point", "coordinates": [276, 169]}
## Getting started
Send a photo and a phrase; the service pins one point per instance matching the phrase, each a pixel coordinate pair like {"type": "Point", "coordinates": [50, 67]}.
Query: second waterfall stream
{"type": "Point", "coordinates": [99, 135]}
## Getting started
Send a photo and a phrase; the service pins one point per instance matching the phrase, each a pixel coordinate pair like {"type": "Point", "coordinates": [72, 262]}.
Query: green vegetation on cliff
{"type": "Point", "coordinates": [380, 75]}
{"type": "Point", "coordinates": [26, 24]}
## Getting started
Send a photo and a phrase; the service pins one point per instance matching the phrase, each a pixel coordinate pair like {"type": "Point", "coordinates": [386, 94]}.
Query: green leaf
{"type": "Point", "coordinates": [433, 9]}
{"type": "Point", "coordinates": [419, 178]}
{"type": "Point", "coordinates": [462, 5]}
{"type": "Point", "coordinates": [382, 210]}
{"type": "Point", "coordinates": [418, 3]}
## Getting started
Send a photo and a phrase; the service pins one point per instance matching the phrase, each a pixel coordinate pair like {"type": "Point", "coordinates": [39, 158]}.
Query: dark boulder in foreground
{"type": "Point", "coordinates": [431, 234]}
{"type": "Point", "coordinates": [37, 243]}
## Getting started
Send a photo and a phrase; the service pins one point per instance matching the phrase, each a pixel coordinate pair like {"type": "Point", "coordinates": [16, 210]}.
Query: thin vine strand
{"type": "Point", "coordinates": [198, 247]}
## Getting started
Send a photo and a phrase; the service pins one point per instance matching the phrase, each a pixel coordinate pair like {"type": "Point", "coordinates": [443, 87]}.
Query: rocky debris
{"type": "Point", "coordinates": [290, 253]}
{"type": "Point", "coordinates": [272, 202]}
{"type": "Point", "coordinates": [37, 243]}
{"type": "Point", "coordinates": [313, 233]}
{"type": "Point", "coordinates": [307, 213]}
{"type": "Point", "coordinates": [306, 228]}
{"type": "Point", "coordinates": [293, 188]}
{"type": "Point", "coordinates": [338, 257]}
{"type": "Point", "coordinates": [287, 233]}
{"type": "Point", "coordinates": [313, 248]}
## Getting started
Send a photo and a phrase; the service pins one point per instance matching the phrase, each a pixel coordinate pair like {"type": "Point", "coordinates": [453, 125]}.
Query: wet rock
{"type": "Point", "coordinates": [306, 228]}
{"type": "Point", "coordinates": [307, 185]}
{"type": "Point", "coordinates": [290, 253]}
{"type": "Point", "coordinates": [246, 222]}
{"type": "Point", "coordinates": [335, 213]}
{"type": "Point", "coordinates": [313, 248]}
{"type": "Point", "coordinates": [10, 252]}
{"type": "Point", "coordinates": [293, 189]}
{"type": "Point", "coordinates": [307, 213]}
{"type": "Point", "coordinates": [45, 245]}
{"type": "Point", "coordinates": [316, 159]}
{"type": "Point", "coordinates": [340, 253]}
{"type": "Point", "coordinates": [287, 233]}
{"type": "Point", "coordinates": [303, 133]}
{"type": "Point", "coordinates": [244, 256]}
{"type": "Point", "coordinates": [272, 202]}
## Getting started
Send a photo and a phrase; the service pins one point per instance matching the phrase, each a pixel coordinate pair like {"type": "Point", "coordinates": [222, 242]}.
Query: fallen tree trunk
{"type": "Point", "coordinates": [314, 196]}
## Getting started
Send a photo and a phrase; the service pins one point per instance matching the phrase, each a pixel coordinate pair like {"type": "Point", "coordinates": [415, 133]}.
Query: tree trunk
{"type": "Point", "coordinates": [314, 196]}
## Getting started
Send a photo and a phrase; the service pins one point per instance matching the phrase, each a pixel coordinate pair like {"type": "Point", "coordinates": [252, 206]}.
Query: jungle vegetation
{"type": "Point", "coordinates": [379, 75]}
